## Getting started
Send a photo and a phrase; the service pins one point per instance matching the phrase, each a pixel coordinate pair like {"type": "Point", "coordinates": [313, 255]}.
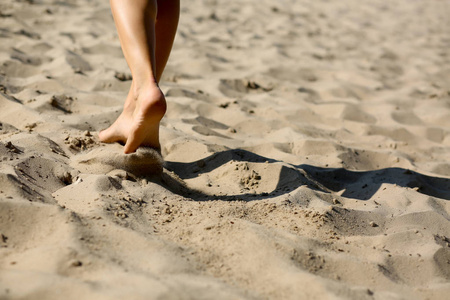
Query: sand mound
{"type": "Point", "coordinates": [144, 162]}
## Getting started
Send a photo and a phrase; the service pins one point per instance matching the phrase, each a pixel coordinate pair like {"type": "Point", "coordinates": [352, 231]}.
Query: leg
{"type": "Point", "coordinates": [139, 32]}
{"type": "Point", "coordinates": [165, 29]}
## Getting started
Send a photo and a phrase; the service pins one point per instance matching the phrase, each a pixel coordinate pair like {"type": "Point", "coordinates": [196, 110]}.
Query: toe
{"type": "Point", "coordinates": [108, 136]}
{"type": "Point", "coordinates": [103, 136]}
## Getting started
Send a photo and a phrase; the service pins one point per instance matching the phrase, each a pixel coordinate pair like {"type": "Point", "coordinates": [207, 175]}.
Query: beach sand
{"type": "Point", "coordinates": [305, 154]}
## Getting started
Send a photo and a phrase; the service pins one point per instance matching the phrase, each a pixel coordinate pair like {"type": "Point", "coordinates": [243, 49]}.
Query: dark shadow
{"type": "Point", "coordinates": [361, 185]}
{"type": "Point", "coordinates": [10, 98]}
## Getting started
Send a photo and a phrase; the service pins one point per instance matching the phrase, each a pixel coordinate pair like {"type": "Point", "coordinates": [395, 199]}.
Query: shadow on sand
{"type": "Point", "coordinates": [360, 185]}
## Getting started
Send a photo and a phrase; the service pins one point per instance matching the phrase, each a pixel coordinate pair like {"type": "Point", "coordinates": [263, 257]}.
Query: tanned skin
{"type": "Point", "coordinates": [146, 31]}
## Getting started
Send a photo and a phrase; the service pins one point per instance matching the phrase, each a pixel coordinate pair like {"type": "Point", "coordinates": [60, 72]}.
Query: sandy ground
{"type": "Point", "coordinates": [306, 154]}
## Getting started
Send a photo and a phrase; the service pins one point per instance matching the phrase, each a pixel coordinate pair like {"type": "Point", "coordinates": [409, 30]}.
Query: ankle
{"type": "Point", "coordinates": [152, 101]}
{"type": "Point", "coordinates": [142, 87]}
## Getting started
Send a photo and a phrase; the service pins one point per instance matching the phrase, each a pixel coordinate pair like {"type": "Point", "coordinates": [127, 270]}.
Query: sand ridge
{"type": "Point", "coordinates": [305, 154]}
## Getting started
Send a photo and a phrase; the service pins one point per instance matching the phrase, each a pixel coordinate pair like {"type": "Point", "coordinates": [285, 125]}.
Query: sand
{"type": "Point", "coordinates": [305, 154]}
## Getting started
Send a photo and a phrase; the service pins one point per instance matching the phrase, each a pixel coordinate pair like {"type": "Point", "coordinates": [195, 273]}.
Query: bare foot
{"type": "Point", "coordinates": [138, 125]}
{"type": "Point", "coordinates": [118, 131]}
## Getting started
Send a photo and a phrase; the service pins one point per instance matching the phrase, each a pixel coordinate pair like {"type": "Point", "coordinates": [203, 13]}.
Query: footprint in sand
{"type": "Point", "coordinates": [237, 87]}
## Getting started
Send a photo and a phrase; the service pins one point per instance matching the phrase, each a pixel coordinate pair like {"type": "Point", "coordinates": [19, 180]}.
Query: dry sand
{"type": "Point", "coordinates": [306, 149]}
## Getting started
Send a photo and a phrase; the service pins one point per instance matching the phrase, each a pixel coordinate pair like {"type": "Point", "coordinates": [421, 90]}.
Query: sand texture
{"type": "Point", "coordinates": [305, 154]}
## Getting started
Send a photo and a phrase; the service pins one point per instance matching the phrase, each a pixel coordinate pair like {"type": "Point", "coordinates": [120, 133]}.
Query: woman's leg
{"type": "Point", "coordinates": [165, 29]}
{"type": "Point", "coordinates": [146, 31]}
